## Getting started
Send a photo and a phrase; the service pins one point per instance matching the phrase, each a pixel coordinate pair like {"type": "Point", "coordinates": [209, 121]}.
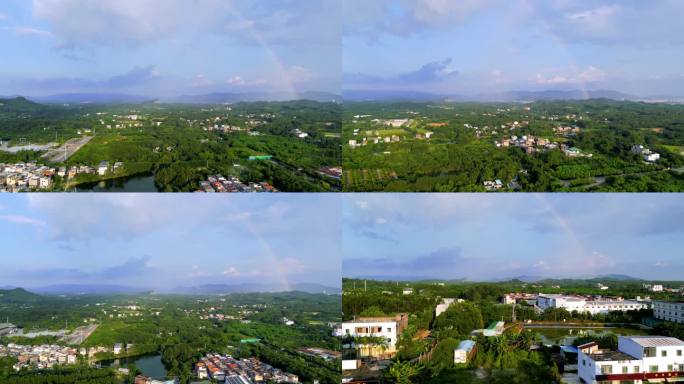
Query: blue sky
{"type": "Point", "coordinates": [169, 47]}
{"type": "Point", "coordinates": [485, 237]}
{"type": "Point", "coordinates": [482, 46]}
{"type": "Point", "coordinates": [165, 241]}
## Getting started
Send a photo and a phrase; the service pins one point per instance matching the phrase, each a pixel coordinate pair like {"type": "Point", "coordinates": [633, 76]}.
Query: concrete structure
{"type": "Point", "coordinates": [445, 304]}
{"type": "Point", "coordinates": [465, 350]}
{"type": "Point", "coordinates": [8, 329]}
{"type": "Point", "coordinates": [103, 168]}
{"type": "Point", "coordinates": [638, 358]}
{"type": "Point", "coordinates": [583, 304]}
{"type": "Point", "coordinates": [669, 311]}
{"type": "Point", "coordinates": [494, 329]}
{"type": "Point", "coordinates": [387, 328]}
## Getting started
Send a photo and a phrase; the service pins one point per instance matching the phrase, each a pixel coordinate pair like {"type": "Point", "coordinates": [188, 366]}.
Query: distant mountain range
{"type": "Point", "coordinates": [523, 278]}
{"type": "Point", "coordinates": [216, 289]}
{"type": "Point", "coordinates": [87, 289]}
{"type": "Point", "coordinates": [509, 96]}
{"type": "Point", "coordinates": [211, 98]}
{"type": "Point", "coordinates": [207, 289]}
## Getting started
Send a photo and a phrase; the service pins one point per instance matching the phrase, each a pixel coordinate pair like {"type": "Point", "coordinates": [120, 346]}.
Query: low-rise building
{"type": "Point", "coordinates": [103, 168]}
{"type": "Point", "coordinates": [385, 329]}
{"type": "Point", "coordinates": [638, 359]}
{"type": "Point", "coordinates": [464, 352]}
{"type": "Point", "coordinates": [669, 311]}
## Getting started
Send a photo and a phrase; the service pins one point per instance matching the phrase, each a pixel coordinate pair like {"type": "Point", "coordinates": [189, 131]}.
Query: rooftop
{"type": "Point", "coordinates": [655, 341]}
{"type": "Point", "coordinates": [607, 355]}
{"type": "Point", "coordinates": [383, 319]}
{"type": "Point", "coordinates": [466, 344]}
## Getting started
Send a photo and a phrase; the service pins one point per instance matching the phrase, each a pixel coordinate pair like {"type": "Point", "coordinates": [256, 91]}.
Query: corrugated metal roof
{"type": "Point", "coordinates": [655, 341]}
{"type": "Point", "coordinates": [466, 344]}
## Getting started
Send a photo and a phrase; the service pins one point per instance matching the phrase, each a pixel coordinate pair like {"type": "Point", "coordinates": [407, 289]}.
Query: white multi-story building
{"type": "Point", "coordinates": [581, 304]}
{"type": "Point", "coordinates": [445, 304]}
{"type": "Point", "coordinates": [669, 311]}
{"type": "Point", "coordinates": [387, 328]}
{"type": "Point", "coordinates": [638, 358]}
{"type": "Point", "coordinates": [570, 303]}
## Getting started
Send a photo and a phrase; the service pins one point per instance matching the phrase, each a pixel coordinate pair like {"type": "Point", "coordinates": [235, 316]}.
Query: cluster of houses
{"type": "Point", "coordinates": [645, 153]}
{"type": "Point", "coordinates": [566, 131]}
{"type": "Point", "coordinates": [375, 140]}
{"type": "Point", "coordinates": [49, 356]}
{"type": "Point", "coordinates": [25, 177]}
{"type": "Point", "coordinates": [39, 356]}
{"type": "Point", "coordinates": [221, 184]}
{"type": "Point", "coordinates": [487, 130]}
{"type": "Point", "coordinates": [103, 169]}
{"type": "Point", "coordinates": [299, 133]}
{"type": "Point", "coordinates": [531, 144]}
{"type": "Point", "coordinates": [225, 128]}
{"type": "Point", "coordinates": [227, 369]}
{"type": "Point", "coordinates": [31, 176]}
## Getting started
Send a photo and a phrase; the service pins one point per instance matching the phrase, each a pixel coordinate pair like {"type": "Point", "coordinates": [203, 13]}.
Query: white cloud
{"type": "Point", "coordinates": [239, 81]}
{"type": "Point", "coordinates": [588, 75]}
{"type": "Point", "coordinates": [196, 272]}
{"type": "Point", "coordinates": [3, 16]}
{"type": "Point", "coordinates": [231, 271]}
{"type": "Point", "coordinates": [132, 23]}
{"type": "Point", "coordinates": [634, 23]}
{"type": "Point", "coordinates": [28, 31]}
{"type": "Point", "coordinates": [202, 81]}
{"type": "Point", "coordinates": [377, 17]}
{"type": "Point", "coordinates": [19, 219]}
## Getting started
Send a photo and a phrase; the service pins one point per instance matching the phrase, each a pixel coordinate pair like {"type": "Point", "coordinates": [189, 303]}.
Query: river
{"type": "Point", "coordinates": [150, 365]}
{"type": "Point", "coordinates": [137, 183]}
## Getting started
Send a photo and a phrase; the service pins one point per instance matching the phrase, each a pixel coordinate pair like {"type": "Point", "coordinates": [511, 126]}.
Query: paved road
{"type": "Point", "coordinates": [58, 155]}
{"type": "Point", "coordinates": [80, 334]}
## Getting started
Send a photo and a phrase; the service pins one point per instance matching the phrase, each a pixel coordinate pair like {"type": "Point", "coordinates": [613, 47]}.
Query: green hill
{"type": "Point", "coordinates": [19, 105]}
{"type": "Point", "coordinates": [18, 296]}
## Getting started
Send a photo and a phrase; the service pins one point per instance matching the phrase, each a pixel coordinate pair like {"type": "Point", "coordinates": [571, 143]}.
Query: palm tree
{"type": "Point", "coordinates": [402, 372]}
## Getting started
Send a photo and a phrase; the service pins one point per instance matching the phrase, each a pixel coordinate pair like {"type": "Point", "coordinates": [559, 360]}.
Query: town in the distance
{"type": "Point", "coordinates": [153, 339]}
{"type": "Point", "coordinates": [129, 291]}
{"type": "Point", "coordinates": [150, 146]}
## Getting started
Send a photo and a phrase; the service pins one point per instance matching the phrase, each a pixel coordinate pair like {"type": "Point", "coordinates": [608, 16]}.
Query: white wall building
{"type": "Point", "coordinates": [387, 328]}
{"type": "Point", "coordinates": [638, 358]}
{"type": "Point", "coordinates": [581, 304]}
{"type": "Point", "coordinates": [464, 351]}
{"type": "Point", "coordinates": [669, 311]}
{"type": "Point", "coordinates": [445, 304]}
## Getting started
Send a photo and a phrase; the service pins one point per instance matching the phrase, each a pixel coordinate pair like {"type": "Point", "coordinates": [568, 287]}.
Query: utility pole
{"type": "Point", "coordinates": [365, 286]}
{"type": "Point", "coordinates": [513, 314]}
